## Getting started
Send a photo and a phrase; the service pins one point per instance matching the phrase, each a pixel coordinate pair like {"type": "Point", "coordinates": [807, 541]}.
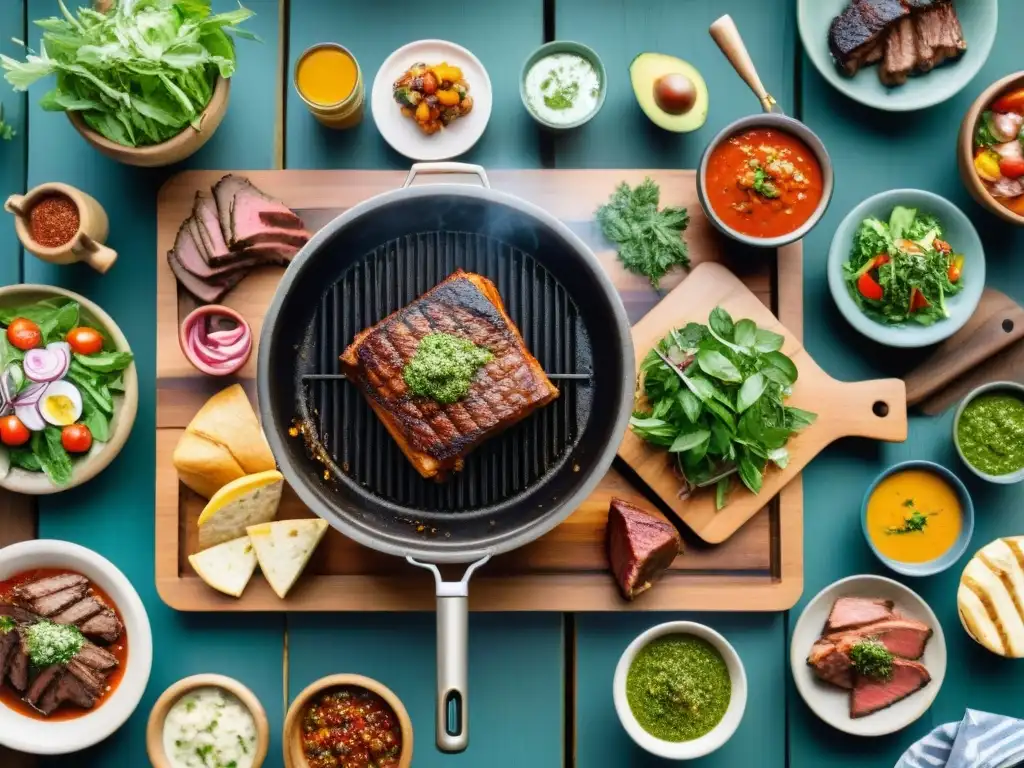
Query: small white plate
{"type": "Point", "coordinates": [403, 134]}
{"type": "Point", "coordinates": [832, 704]}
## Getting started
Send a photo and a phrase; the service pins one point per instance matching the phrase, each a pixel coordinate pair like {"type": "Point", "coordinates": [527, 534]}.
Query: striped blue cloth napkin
{"type": "Point", "coordinates": [980, 740]}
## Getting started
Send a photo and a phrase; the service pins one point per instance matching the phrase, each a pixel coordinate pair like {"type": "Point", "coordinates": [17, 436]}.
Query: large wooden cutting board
{"type": "Point", "coordinates": [875, 409]}
{"type": "Point", "coordinates": [760, 568]}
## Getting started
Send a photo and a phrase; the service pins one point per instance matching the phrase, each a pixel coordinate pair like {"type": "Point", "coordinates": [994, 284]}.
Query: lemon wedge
{"type": "Point", "coordinates": [243, 502]}
{"type": "Point", "coordinates": [226, 567]}
{"type": "Point", "coordinates": [283, 549]}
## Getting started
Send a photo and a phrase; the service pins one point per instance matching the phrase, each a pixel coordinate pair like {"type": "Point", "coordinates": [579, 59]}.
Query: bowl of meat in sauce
{"type": "Point", "coordinates": [76, 647]}
{"type": "Point", "coordinates": [347, 720]}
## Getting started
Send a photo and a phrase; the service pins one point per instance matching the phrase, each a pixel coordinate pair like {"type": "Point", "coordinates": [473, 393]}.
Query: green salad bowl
{"type": "Point", "coordinates": [957, 231]}
{"type": "Point", "coordinates": [992, 388]}
{"type": "Point", "coordinates": [99, 456]}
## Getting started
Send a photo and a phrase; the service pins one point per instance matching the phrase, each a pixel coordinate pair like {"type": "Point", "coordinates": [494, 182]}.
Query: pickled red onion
{"type": "Point", "coordinates": [218, 352]}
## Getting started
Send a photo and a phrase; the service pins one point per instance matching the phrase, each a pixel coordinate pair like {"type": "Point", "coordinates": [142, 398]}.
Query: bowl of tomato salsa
{"type": "Point", "coordinates": [765, 180]}
{"type": "Point", "coordinates": [347, 721]}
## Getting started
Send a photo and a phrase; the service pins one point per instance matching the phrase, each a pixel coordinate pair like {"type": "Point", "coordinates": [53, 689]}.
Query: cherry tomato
{"type": "Point", "coordinates": [1011, 102]}
{"type": "Point", "coordinates": [869, 287]}
{"type": "Point", "coordinates": [1011, 168]}
{"type": "Point", "coordinates": [879, 261]}
{"type": "Point", "coordinates": [24, 334]}
{"type": "Point", "coordinates": [13, 432]}
{"type": "Point", "coordinates": [942, 246]}
{"type": "Point", "coordinates": [85, 341]}
{"type": "Point", "coordinates": [76, 438]}
{"type": "Point", "coordinates": [917, 300]}
{"type": "Point", "coordinates": [956, 268]}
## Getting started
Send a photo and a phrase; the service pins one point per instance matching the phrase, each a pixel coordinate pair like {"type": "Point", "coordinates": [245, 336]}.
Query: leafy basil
{"type": "Point", "coordinates": [690, 403]}
{"type": "Point", "coordinates": [750, 392]}
{"type": "Point", "coordinates": [95, 420]}
{"type": "Point", "coordinates": [750, 473]}
{"type": "Point", "coordinates": [721, 323]}
{"type": "Point", "coordinates": [716, 364]}
{"type": "Point", "coordinates": [783, 365]}
{"type": "Point", "coordinates": [685, 442]}
{"type": "Point", "coordinates": [745, 334]}
{"type": "Point", "coordinates": [767, 341]}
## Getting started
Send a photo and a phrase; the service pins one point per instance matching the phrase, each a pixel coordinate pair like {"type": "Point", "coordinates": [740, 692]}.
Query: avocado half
{"type": "Point", "coordinates": [670, 91]}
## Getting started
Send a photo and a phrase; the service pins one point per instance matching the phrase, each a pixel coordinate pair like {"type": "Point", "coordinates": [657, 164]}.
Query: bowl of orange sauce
{"type": "Point", "coordinates": [765, 180]}
{"type": "Point", "coordinates": [918, 518]}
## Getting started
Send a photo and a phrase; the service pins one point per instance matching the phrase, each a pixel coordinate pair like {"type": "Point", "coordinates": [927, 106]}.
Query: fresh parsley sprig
{"type": "Point", "coordinates": [650, 240]}
{"type": "Point", "coordinates": [872, 659]}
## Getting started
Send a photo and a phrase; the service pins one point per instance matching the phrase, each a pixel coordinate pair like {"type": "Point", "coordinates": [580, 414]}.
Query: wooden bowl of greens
{"type": "Point", "coordinates": [151, 119]}
{"type": "Point", "coordinates": [68, 389]}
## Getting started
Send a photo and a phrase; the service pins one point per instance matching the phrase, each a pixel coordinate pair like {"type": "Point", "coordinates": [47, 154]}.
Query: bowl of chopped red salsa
{"type": "Point", "coordinates": [765, 180]}
{"type": "Point", "coordinates": [347, 721]}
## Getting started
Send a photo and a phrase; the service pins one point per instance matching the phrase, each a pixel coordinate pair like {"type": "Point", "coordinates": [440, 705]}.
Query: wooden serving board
{"type": "Point", "coordinates": [875, 409]}
{"type": "Point", "coordinates": [760, 568]}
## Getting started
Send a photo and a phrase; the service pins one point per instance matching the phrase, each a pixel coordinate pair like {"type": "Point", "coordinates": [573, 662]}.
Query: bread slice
{"type": "Point", "coordinates": [991, 597]}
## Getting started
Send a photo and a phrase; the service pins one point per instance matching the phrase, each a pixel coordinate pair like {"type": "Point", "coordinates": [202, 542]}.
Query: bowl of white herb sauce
{"type": "Point", "coordinates": [563, 84]}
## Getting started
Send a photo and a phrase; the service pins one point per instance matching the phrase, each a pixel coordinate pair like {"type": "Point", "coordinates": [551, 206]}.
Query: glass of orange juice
{"type": "Point", "coordinates": [329, 81]}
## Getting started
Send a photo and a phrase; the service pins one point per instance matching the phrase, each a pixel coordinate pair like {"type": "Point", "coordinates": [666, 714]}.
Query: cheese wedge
{"type": "Point", "coordinates": [991, 597]}
{"type": "Point", "coordinates": [243, 502]}
{"type": "Point", "coordinates": [284, 548]}
{"type": "Point", "coordinates": [226, 567]}
{"type": "Point", "coordinates": [222, 443]}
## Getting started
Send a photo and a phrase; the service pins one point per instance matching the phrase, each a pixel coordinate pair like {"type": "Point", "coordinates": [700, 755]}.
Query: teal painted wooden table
{"type": "Point", "coordinates": [540, 682]}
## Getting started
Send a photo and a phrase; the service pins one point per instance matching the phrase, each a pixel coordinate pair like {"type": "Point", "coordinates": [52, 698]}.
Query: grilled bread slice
{"type": "Point", "coordinates": [991, 597]}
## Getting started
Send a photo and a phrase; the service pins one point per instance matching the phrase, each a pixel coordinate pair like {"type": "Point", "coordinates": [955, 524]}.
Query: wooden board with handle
{"type": "Point", "coordinates": [758, 569]}
{"type": "Point", "coordinates": [874, 409]}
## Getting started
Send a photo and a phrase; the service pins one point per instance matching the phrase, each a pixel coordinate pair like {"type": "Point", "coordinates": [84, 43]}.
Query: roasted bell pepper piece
{"type": "Point", "coordinates": [986, 163]}
{"type": "Point", "coordinates": [917, 300]}
{"type": "Point", "coordinates": [448, 98]}
{"type": "Point", "coordinates": [879, 260]}
{"type": "Point", "coordinates": [1011, 102]}
{"type": "Point", "coordinates": [869, 287]}
{"type": "Point", "coordinates": [956, 268]}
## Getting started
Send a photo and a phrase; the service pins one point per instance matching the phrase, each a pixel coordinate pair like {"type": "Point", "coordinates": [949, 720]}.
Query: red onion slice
{"type": "Point", "coordinates": [30, 395]}
{"type": "Point", "coordinates": [218, 352]}
{"type": "Point", "coordinates": [30, 416]}
{"type": "Point", "coordinates": [45, 365]}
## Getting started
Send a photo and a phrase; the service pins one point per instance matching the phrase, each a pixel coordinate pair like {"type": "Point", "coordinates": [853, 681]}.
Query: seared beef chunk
{"type": "Point", "coordinates": [870, 695]}
{"type": "Point", "coordinates": [58, 601]}
{"type": "Point", "coordinates": [900, 54]}
{"type": "Point", "coordinates": [78, 612]}
{"type": "Point", "coordinates": [830, 664]}
{"type": "Point", "coordinates": [93, 681]}
{"type": "Point", "coordinates": [640, 546]}
{"type": "Point", "coordinates": [96, 658]}
{"type": "Point", "coordinates": [73, 691]}
{"type": "Point", "coordinates": [853, 612]}
{"type": "Point", "coordinates": [33, 590]}
{"type": "Point", "coordinates": [17, 665]}
{"type": "Point", "coordinates": [104, 625]}
{"type": "Point", "coordinates": [855, 33]}
{"type": "Point", "coordinates": [41, 683]}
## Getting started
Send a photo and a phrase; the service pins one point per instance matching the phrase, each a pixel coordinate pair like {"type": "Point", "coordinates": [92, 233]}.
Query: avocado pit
{"type": "Point", "coordinates": [675, 93]}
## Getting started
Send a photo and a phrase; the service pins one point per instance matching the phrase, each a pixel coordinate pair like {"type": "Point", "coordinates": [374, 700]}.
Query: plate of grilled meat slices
{"type": "Point", "coordinates": [898, 55]}
{"type": "Point", "coordinates": [868, 655]}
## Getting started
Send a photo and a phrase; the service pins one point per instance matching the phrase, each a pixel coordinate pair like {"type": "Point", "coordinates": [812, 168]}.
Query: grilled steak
{"type": "Point", "coordinates": [436, 437]}
{"type": "Point", "coordinates": [855, 35]}
{"type": "Point", "coordinates": [103, 626]}
{"type": "Point", "coordinates": [938, 36]}
{"type": "Point", "coordinates": [32, 590]}
{"type": "Point", "coordinates": [58, 601]}
{"type": "Point", "coordinates": [900, 54]}
{"type": "Point", "coordinates": [640, 546]}
{"type": "Point", "coordinates": [870, 695]}
{"type": "Point", "coordinates": [853, 612]}
{"type": "Point", "coordinates": [78, 612]}
{"type": "Point", "coordinates": [94, 657]}
{"type": "Point", "coordinates": [903, 637]}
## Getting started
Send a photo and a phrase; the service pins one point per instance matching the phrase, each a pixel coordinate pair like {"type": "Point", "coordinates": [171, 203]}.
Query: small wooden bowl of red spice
{"type": "Point", "coordinates": [347, 721]}
{"type": "Point", "coordinates": [62, 225]}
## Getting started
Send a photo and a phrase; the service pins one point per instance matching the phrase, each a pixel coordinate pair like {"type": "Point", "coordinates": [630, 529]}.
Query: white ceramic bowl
{"type": "Point", "coordinates": [39, 737]}
{"type": "Point", "coordinates": [709, 742]}
{"type": "Point", "coordinates": [402, 133]}
{"type": "Point", "coordinates": [832, 704]}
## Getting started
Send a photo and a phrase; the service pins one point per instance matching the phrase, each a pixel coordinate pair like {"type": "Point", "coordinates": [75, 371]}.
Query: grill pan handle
{"type": "Point", "coordinates": [446, 169]}
{"type": "Point", "coordinates": [452, 705]}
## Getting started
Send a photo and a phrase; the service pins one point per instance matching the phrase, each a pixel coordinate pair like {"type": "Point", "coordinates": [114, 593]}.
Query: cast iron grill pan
{"type": "Point", "coordinates": [386, 279]}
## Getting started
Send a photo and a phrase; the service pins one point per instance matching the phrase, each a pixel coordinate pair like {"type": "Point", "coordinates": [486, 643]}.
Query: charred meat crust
{"type": "Point", "coordinates": [435, 437]}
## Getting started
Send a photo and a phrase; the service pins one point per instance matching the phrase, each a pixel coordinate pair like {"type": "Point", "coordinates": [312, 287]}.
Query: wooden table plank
{"type": "Point", "coordinates": [873, 151]}
{"type": "Point", "coordinates": [113, 514]}
{"type": "Point", "coordinates": [622, 136]}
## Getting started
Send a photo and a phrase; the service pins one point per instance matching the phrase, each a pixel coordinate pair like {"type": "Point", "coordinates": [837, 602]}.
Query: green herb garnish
{"type": "Point", "coordinates": [872, 659]}
{"type": "Point", "coordinates": [764, 185]}
{"type": "Point", "coordinates": [7, 624]}
{"type": "Point", "coordinates": [982, 134]}
{"type": "Point", "coordinates": [138, 74]}
{"type": "Point", "coordinates": [444, 367]}
{"type": "Point", "coordinates": [914, 522]}
{"type": "Point", "coordinates": [50, 643]}
{"type": "Point", "coordinates": [715, 395]}
{"type": "Point", "coordinates": [563, 97]}
{"type": "Point", "coordinates": [649, 240]}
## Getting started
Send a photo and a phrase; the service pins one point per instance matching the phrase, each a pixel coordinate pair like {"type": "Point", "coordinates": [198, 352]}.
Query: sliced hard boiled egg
{"type": "Point", "coordinates": [61, 404]}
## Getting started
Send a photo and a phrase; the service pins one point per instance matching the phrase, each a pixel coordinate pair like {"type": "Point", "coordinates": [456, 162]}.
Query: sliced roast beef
{"type": "Point", "coordinates": [72, 690]}
{"type": "Point", "coordinates": [103, 626]}
{"type": "Point", "coordinates": [58, 601]}
{"type": "Point", "coordinates": [261, 235]}
{"type": "Point", "coordinates": [903, 637]}
{"type": "Point", "coordinates": [79, 612]}
{"type": "Point", "coordinates": [215, 248]}
{"type": "Point", "coordinates": [853, 612]}
{"type": "Point", "coordinates": [244, 210]}
{"type": "Point", "coordinates": [640, 546]}
{"type": "Point", "coordinates": [900, 53]}
{"type": "Point", "coordinates": [93, 681]}
{"type": "Point", "coordinates": [42, 682]}
{"type": "Point", "coordinates": [830, 664]}
{"type": "Point", "coordinates": [19, 614]}
{"type": "Point", "coordinates": [207, 291]}
{"type": "Point", "coordinates": [33, 590]}
{"type": "Point", "coordinates": [97, 658]}
{"type": "Point", "coordinates": [870, 695]}
{"type": "Point", "coordinates": [8, 642]}
{"type": "Point", "coordinates": [17, 665]}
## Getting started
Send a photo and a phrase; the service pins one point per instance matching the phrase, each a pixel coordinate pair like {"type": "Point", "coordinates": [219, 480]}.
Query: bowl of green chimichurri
{"type": "Point", "coordinates": [680, 690]}
{"type": "Point", "coordinates": [988, 431]}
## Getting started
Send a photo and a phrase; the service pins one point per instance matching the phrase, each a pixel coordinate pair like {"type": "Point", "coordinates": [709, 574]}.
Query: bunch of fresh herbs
{"type": "Point", "coordinates": [908, 260]}
{"type": "Point", "coordinates": [97, 377]}
{"type": "Point", "coordinates": [139, 74]}
{"type": "Point", "coordinates": [650, 241]}
{"type": "Point", "coordinates": [714, 396]}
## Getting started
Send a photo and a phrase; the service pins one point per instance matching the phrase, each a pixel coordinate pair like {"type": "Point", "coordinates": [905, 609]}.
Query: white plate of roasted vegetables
{"type": "Point", "coordinates": [431, 100]}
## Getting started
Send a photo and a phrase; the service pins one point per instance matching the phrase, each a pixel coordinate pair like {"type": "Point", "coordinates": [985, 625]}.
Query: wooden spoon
{"type": "Point", "coordinates": [728, 37]}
